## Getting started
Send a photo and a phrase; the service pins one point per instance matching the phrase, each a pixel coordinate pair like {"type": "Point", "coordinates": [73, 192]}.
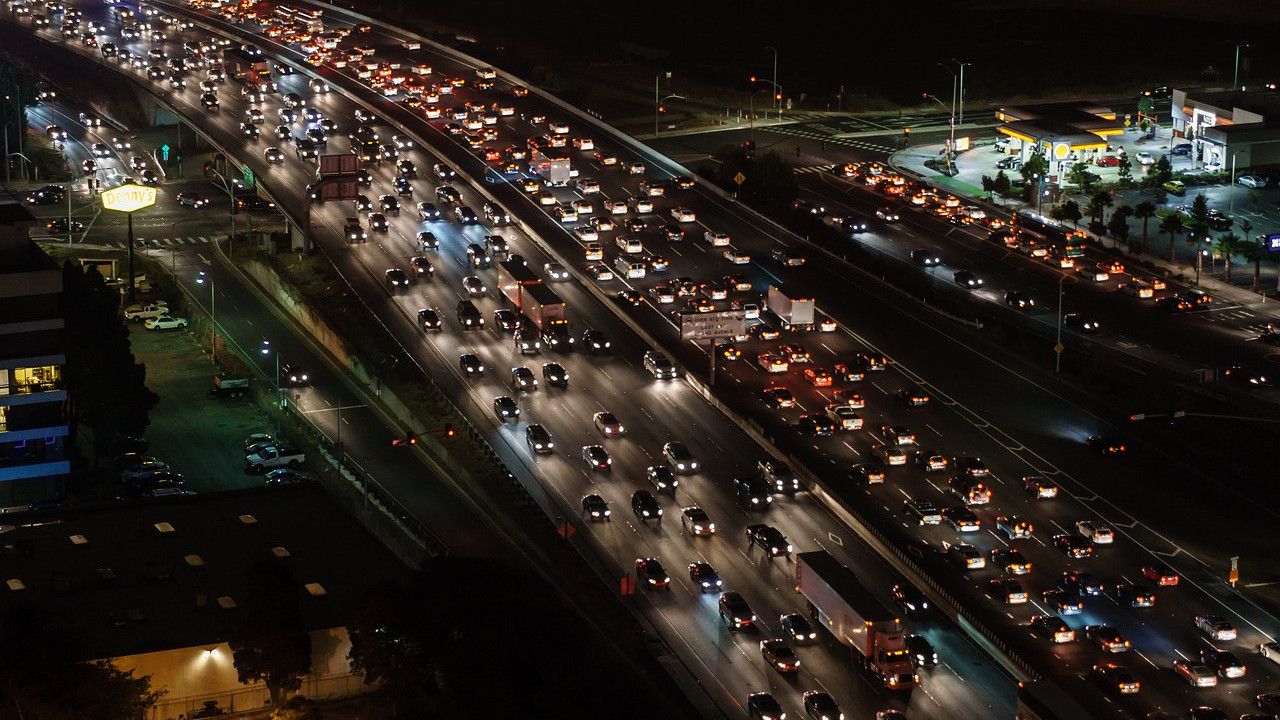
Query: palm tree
{"type": "Point", "coordinates": [1171, 225]}
{"type": "Point", "coordinates": [1144, 211]}
{"type": "Point", "coordinates": [1228, 244]}
{"type": "Point", "coordinates": [1103, 200]}
{"type": "Point", "coordinates": [1253, 251]}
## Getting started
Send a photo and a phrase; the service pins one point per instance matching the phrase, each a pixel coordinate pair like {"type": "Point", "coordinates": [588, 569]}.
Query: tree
{"type": "Point", "coordinates": [1200, 210]}
{"type": "Point", "coordinates": [1162, 171]}
{"type": "Point", "coordinates": [1227, 245]}
{"type": "Point", "coordinates": [106, 386]}
{"type": "Point", "coordinates": [1080, 176]}
{"type": "Point", "coordinates": [1034, 167]}
{"type": "Point", "coordinates": [1126, 171]}
{"type": "Point", "coordinates": [269, 644]}
{"type": "Point", "coordinates": [1253, 250]}
{"type": "Point", "coordinates": [42, 680]}
{"type": "Point", "coordinates": [1002, 183]}
{"type": "Point", "coordinates": [1171, 225]}
{"type": "Point", "coordinates": [1144, 211]}
{"type": "Point", "coordinates": [988, 186]}
{"type": "Point", "coordinates": [1102, 200]}
{"type": "Point", "coordinates": [1070, 211]}
{"type": "Point", "coordinates": [1118, 226]}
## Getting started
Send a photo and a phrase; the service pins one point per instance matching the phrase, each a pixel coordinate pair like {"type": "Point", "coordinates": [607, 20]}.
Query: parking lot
{"type": "Point", "coordinates": [198, 434]}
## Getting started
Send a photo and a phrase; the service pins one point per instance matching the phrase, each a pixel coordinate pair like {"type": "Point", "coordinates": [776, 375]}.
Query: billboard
{"type": "Point", "coordinates": [128, 198]}
{"type": "Point", "coordinates": [713, 325]}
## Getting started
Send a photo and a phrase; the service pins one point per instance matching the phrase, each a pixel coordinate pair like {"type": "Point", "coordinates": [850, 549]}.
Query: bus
{"type": "Point", "coordinates": [1044, 230]}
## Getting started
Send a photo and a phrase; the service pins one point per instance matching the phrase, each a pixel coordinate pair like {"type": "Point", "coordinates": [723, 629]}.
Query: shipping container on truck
{"type": "Point", "coordinates": [244, 65]}
{"type": "Point", "coordinates": [513, 275]}
{"type": "Point", "coordinates": [856, 618]}
{"type": "Point", "coordinates": [552, 164]}
{"type": "Point", "coordinates": [795, 311]}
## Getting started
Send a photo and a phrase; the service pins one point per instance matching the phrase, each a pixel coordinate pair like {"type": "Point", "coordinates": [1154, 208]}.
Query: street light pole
{"type": "Point", "coordinates": [1057, 348]}
{"type": "Point", "coordinates": [1235, 85]}
{"type": "Point", "coordinates": [777, 100]}
{"type": "Point", "coordinates": [960, 119]}
{"type": "Point", "coordinates": [1231, 193]}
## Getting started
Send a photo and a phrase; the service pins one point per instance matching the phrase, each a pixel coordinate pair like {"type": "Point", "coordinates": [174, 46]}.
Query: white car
{"type": "Point", "coordinates": [601, 273]}
{"type": "Point", "coordinates": [1145, 158]}
{"type": "Point", "coordinates": [684, 215]}
{"type": "Point", "coordinates": [556, 272]}
{"type": "Point", "coordinates": [629, 244]}
{"type": "Point", "coordinates": [1270, 651]}
{"type": "Point", "coordinates": [1252, 181]}
{"type": "Point", "coordinates": [716, 239]}
{"type": "Point", "coordinates": [1215, 627]}
{"type": "Point", "coordinates": [583, 207]}
{"type": "Point", "coordinates": [736, 257]}
{"type": "Point", "coordinates": [586, 233]}
{"type": "Point", "coordinates": [165, 322]}
{"type": "Point", "coordinates": [587, 186]}
{"type": "Point", "coordinates": [1098, 533]}
{"type": "Point", "coordinates": [636, 168]}
{"type": "Point", "coordinates": [616, 207]}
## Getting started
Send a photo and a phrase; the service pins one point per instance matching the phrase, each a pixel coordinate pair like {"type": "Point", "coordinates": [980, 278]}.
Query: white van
{"type": "Point", "coordinates": [629, 267]}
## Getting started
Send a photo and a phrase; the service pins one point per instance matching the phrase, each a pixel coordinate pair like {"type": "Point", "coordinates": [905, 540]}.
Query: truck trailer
{"type": "Point", "coordinates": [856, 618]}
{"type": "Point", "coordinates": [795, 312]}
{"type": "Point", "coordinates": [537, 302]}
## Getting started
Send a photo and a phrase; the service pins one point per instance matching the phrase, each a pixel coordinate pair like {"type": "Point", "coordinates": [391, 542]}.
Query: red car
{"type": "Point", "coordinates": [1160, 574]}
{"type": "Point", "coordinates": [1108, 161]}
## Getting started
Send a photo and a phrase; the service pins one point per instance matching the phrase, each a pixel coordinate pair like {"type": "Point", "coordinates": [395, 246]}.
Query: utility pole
{"type": "Point", "coordinates": [960, 119]}
{"type": "Point", "coordinates": [777, 95]}
{"type": "Point", "coordinates": [1058, 347]}
{"type": "Point", "coordinates": [1235, 83]}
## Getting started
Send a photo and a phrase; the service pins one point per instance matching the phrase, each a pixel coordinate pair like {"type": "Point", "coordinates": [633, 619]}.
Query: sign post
{"type": "Point", "coordinates": [128, 199]}
{"type": "Point", "coordinates": [1233, 577]}
{"type": "Point", "coordinates": [713, 326]}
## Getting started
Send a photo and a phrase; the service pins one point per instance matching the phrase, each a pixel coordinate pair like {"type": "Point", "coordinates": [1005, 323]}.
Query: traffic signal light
{"type": "Point", "coordinates": [753, 78]}
{"type": "Point", "coordinates": [662, 108]}
{"type": "Point", "coordinates": [449, 431]}
{"type": "Point", "coordinates": [777, 96]}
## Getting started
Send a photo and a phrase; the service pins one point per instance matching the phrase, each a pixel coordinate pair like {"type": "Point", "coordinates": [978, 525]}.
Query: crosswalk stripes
{"type": "Point", "coordinates": [165, 242]}
{"type": "Point", "coordinates": [813, 169]}
{"type": "Point", "coordinates": [819, 137]}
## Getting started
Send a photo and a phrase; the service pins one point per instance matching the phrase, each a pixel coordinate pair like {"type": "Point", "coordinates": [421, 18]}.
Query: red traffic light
{"type": "Point", "coordinates": [449, 431]}
{"type": "Point", "coordinates": [753, 78]}
{"type": "Point", "coordinates": [662, 108]}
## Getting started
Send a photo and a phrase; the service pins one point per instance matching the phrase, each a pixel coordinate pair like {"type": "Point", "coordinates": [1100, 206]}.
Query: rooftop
{"type": "Point", "coordinates": [1260, 102]}
{"type": "Point", "coordinates": [22, 254]}
{"type": "Point", "coordinates": [158, 574]}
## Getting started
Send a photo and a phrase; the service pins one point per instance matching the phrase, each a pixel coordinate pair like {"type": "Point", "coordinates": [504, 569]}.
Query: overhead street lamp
{"type": "Point", "coordinates": [951, 144]}
{"type": "Point", "coordinates": [751, 115]}
{"type": "Point", "coordinates": [960, 113]}
{"type": "Point", "coordinates": [202, 278]}
{"type": "Point", "coordinates": [1231, 192]}
{"type": "Point", "coordinates": [778, 99]}
{"type": "Point", "coordinates": [1235, 82]}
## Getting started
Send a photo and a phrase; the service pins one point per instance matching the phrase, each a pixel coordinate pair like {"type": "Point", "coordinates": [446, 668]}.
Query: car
{"type": "Point", "coordinates": [1252, 181]}
{"type": "Point", "coordinates": [925, 512]}
{"type": "Point", "coordinates": [539, 441]}
{"type": "Point", "coordinates": [421, 266]}
{"type": "Point", "coordinates": [1107, 161]}
{"type": "Point", "coordinates": [1270, 651]}
{"type": "Point", "coordinates": [1225, 663]}
{"type": "Point", "coordinates": [967, 557]}
{"type": "Point", "coordinates": [844, 416]}
{"type": "Point", "coordinates": [889, 454]}
{"type": "Point", "coordinates": [1115, 678]}
{"type": "Point", "coordinates": [1160, 574]}
{"type": "Point", "coordinates": [1019, 299]}
{"type": "Point", "coordinates": [1073, 546]}
{"type": "Point", "coordinates": [1081, 583]}
{"type": "Point", "coordinates": [1010, 561]}
{"type": "Point", "coordinates": [148, 311]}
{"type": "Point", "coordinates": [1215, 627]}
{"type": "Point", "coordinates": [753, 493]}
{"type": "Point", "coordinates": [1097, 533]}
{"type": "Point", "coordinates": [396, 279]}
{"type": "Point", "coordinates": [1145, 158]}
{"type": "Point", "coordinates": [705, 578]}
{"type": "Point", "coordinates": [696, 521]}
{"type": "Point", "coordinates": [779, 655]}
{"type": "Point", "coordinates": [1133, 595]}
{"type": "Point", "coordinates": [770, 539]}
{"type": "Point", "coordinates": [595, 342]}
{"type": "Point", "coordinates": [643, 503]}
{"type": "Point", "coordinates": [1039, 487]}
{"type": "Point", "coordinates": [1007, 591]}
{"type": "Point", "coordinates": [505, 409]}
{"type": "Point", "coordinates": [788, 257]}
{"type": "Point", "coordinates": [897, 435]}
{"type": "Point", "coordinates": [1139, 289]}
{"type": "Point", "coordinates": [596, 458]}
{"type": "Point", "coordinates": [961, 518]}
{"type": "Point", "coordinates": [1196, 674]}
{"type": "Point", "coordinates": [1052, 628]}
{"type": "Point", "coordinates": [798, 629]}
{"type": "Point", "coordinates": [921, 651]}
{"type": "Point", "coordinates": [679, 457]}
{"type": "Point", "coordinates": [1106, 445]}
{"type": "Point", "coordinates": [284, 476]}
{"type": "Point", "coordinates": [1062, 602]}
{"type": "Point", "coordinates": [868, 473]}
{"type": "Point", "coordinates": [60, 225]}
{"type": "Point", "coordinates": [165, 322]}
{"type": "Point", "coordinates": [522, 380]}
{"type": "Point", "coordinates": [1081, 322]}
{"type": "Point", "coordinates": [293, 376]}
{"type": "Point", "coordinates": [925, 258]}
{"type": "Point", "coordinates": [662, 478]}
{"type": "Point", "coordinates": [474, 286]}
{"type": "Point", "coordinates": [608, 424]}
{"type": "Point", "coordinates": [1014, 527]}
{"type": "Point", "coordinates": [763, 706]}
{"type": "Point", "coordinates": [911, 600]}
{"type": "Point", "coordinates": [913, 396]}
{"type": "Point", "coordinates": [556, 272]}
{"type": "Point", "coordinates": [191, 199]}
{"type": "Point", "coordinates": [968, 280]}
{"type": "Point", "coordinates": [651, 575]}
{"type": "Point", "coordinates": [816, 425]}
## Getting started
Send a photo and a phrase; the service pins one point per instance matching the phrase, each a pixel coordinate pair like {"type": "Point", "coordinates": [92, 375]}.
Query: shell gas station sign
{"type": "Point", "coordinates": [128, 198]}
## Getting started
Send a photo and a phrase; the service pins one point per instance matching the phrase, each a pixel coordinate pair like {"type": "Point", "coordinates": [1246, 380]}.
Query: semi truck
{"type": "Point", "coordinates": [795, 312]}
{"type": "Point", "coordinates": [553, 165]}
{"type": "Point", "coordinates": [856, 618]}
{"type": "Point", "coordinates": [244, 65]}
{"type": "Point", "coordinates": [536, 302]}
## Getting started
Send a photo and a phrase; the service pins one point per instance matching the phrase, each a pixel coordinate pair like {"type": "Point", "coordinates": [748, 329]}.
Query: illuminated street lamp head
{"type": "Point", "coordinates": [266, 347]}
{"type": "Point", "coordinates": [200, 278]}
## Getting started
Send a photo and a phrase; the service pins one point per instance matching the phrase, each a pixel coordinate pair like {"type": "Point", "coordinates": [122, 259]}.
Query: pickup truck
{"type": "Point", "coordinates": [146, 312]}
{"type": "Point", "coordinates": [273, 456]}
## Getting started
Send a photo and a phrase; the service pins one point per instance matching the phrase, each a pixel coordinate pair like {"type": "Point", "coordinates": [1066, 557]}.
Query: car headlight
{"type": "Point", "coordinates": [706, 583]}
{"type": "Point", "coordinates": [645, 513]}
